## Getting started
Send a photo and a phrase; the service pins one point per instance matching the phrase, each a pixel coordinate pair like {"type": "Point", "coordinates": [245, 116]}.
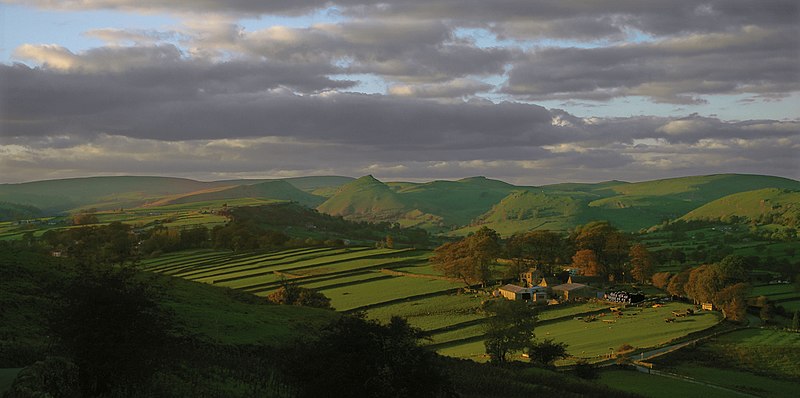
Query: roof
{"type": "Point", "coordinates": [570, 286]}
{"type": "Point", "coordinates": [514, 288]}
{"type": "Point", "coordinates": [549, 281]}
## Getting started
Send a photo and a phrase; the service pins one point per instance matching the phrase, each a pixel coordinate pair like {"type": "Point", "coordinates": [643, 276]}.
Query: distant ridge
{"type": "Point", "coordinates": [278, 190]}
{"type": "Point", "coordinates": [454, 207]}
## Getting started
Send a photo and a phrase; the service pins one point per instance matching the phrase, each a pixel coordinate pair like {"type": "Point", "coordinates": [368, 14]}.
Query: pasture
{"type": "Point", "coordinates": [655, 386]}
{"type": "Point", "coordinates": [595, 340]}
{"type": "Point", "coordinates": [389, 282]}
{"type": "Point", "coordinates": [351, 277]}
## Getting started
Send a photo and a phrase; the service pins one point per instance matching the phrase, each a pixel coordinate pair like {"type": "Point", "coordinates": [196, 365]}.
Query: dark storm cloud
{"type": "Point", "coordinates": [225, 102]}
{"type": "Point", "coordinates": [677, 70]}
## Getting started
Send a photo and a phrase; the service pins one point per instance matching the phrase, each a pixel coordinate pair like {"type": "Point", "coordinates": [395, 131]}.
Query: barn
{"type": "Point", "coordinates": [514, 292]}
{"type": "Point", "coordinates": [573, 291]}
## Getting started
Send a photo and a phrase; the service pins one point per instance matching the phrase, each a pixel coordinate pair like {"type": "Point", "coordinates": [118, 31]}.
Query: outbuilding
{"type": "Point", "coordinates": [514, 292]}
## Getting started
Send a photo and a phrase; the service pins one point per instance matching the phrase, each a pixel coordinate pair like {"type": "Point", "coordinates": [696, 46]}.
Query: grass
{"type": "Point", "coordinates": [592, 340]}
{"type": "Point", "coordinates": [432, 312]}
{"type": "Point", "coordinates": [553, 312]}
{"type": "Point", "coordinates": [231, 317]}
{"type": "Point", "coordinates": [766, 351]}
{"type": "Point", "coordinates": [384, 290]}
{"type": "Point", "coordinates": [657, 386]}
{"type": "Point", "coordinates": [744, 381]}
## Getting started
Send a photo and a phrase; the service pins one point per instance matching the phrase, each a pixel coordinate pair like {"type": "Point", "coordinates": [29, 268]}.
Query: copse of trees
{"type": "Point", "coordinates": [722, 284]}
{"type": "Point", "coordinates": [609, 244]}
{"type": "Point", "coordinates": [543, 250]}
{"type": "Point", "coordinates": [291, 294]}
{"type": "Point", "coordinates": [355, 356]}
{"type": "Point", "coordinates": [469, 259]}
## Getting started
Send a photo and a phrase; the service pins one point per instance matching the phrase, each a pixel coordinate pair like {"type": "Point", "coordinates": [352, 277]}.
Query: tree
{"type": "Point", "coordinates": [641, 263]}
{"type": "Point", "coordinates": [291, 294]}
{"type": "Point", "coordinates": [733, 302]}
{"type": "Point", "coordinates": [678, 282]}
{"type": "Point", "coordinates": [356, 356]}
{"type": "Point", "coordinates": [469, 259]}
{"type": "Point", "coordinates": [767, 312]}
{"type": "Point", "coordinates": [546, 352]}
{"type": "Point", "coordinates": [509, 327]}
{"type": "Point", "coordinates": [661, 280]}
{"type": "Point", "coordinates": [704, 282]}
{"type": "Point", "coordinates": [586, 370]}
{"type": "Point", "coordinates": [586, 261]}
{"type": "Point", "coordinates": [110, 325]}
{"type": "Point", "coordinates": [609, 244]}
{"type": "Point", "coordinates": [389, 242]}
{"type": "Point", "coordinates": [543, 250]}
{"type": "Point", "coordinates": [733, 269]}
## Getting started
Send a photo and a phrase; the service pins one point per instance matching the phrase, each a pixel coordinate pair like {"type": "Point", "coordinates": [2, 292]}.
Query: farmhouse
{"type": "Point", "coordinates": [573, 291]}
{"type": "Point", "coordinates": [530, 278]}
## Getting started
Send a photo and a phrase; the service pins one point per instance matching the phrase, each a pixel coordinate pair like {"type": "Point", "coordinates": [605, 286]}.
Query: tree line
{"type": "Point", "coordinates": [596, 249]}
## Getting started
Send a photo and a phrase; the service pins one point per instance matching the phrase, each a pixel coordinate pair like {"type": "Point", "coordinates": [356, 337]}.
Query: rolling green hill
{"type": "Point", "coordinates": [526, 210]}
{"type": "Point", "coordinates": [438, 206]}
{"type": "Point", "coordinates": [456, 202]}
{"type": "Point", "coordinates": [764, 206]}
{"type": "Point", "coordinates": [278, 190]}
{"type": "Point", "coordinates": [101, 192]}
{"type": "Point", "coordinates": [366, 199]}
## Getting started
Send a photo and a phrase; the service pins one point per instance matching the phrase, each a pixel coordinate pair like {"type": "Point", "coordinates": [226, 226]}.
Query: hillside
{"type": "Point", "coordinates": [456, 202]}
{"type": "Point", "coordinates": [366, 199]}
{"type": "Point", "coordinates": [324, 186]}
{"type": "Point", "coordinates": [526, 210]}
{"type": "Point", "coordinates": [277, 190]}
{"type": "Point", "coordinates": [763, 206]}
{"type": "Point", "coordinates": [54, 196]}
{"type": "Point", "coordinates": [438, 206]}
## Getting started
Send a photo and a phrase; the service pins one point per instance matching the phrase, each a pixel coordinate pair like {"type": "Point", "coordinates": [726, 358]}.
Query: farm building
{"type": "Point", "coordinates": [530, 278]}
{"type": "Point", "coordinates": [549, 282]}
{"type": "Point", "coordinates": [573, 291]}
{"type": "Point", "coordinates": [514, 292]}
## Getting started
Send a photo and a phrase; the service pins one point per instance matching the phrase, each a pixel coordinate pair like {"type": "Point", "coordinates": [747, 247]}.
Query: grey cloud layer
{"type": "Point", "coordinates": [211, 97]}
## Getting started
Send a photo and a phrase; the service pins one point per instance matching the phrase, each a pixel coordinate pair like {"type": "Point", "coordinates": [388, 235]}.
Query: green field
{"type": "Point", "coordinates": [350, 277]}
{"type": "Point", "coordinates": [353, 279]}
{"type": "Point", "coordinates": [657, 386]}
{"type": "Point", "coordinates": [592, 340]}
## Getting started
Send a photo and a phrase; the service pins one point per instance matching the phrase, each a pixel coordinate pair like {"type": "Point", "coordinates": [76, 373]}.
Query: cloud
{"type": "Point", "coordinates": [455, 88]}
{"type": "Point", "coordinates": [209, 98]}
{"type": "Point", "coordinates": [679, 70]}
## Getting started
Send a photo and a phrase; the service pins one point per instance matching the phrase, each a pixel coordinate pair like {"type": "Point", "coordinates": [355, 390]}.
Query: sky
{"type": "Point", "coordinates": [530, 92]}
